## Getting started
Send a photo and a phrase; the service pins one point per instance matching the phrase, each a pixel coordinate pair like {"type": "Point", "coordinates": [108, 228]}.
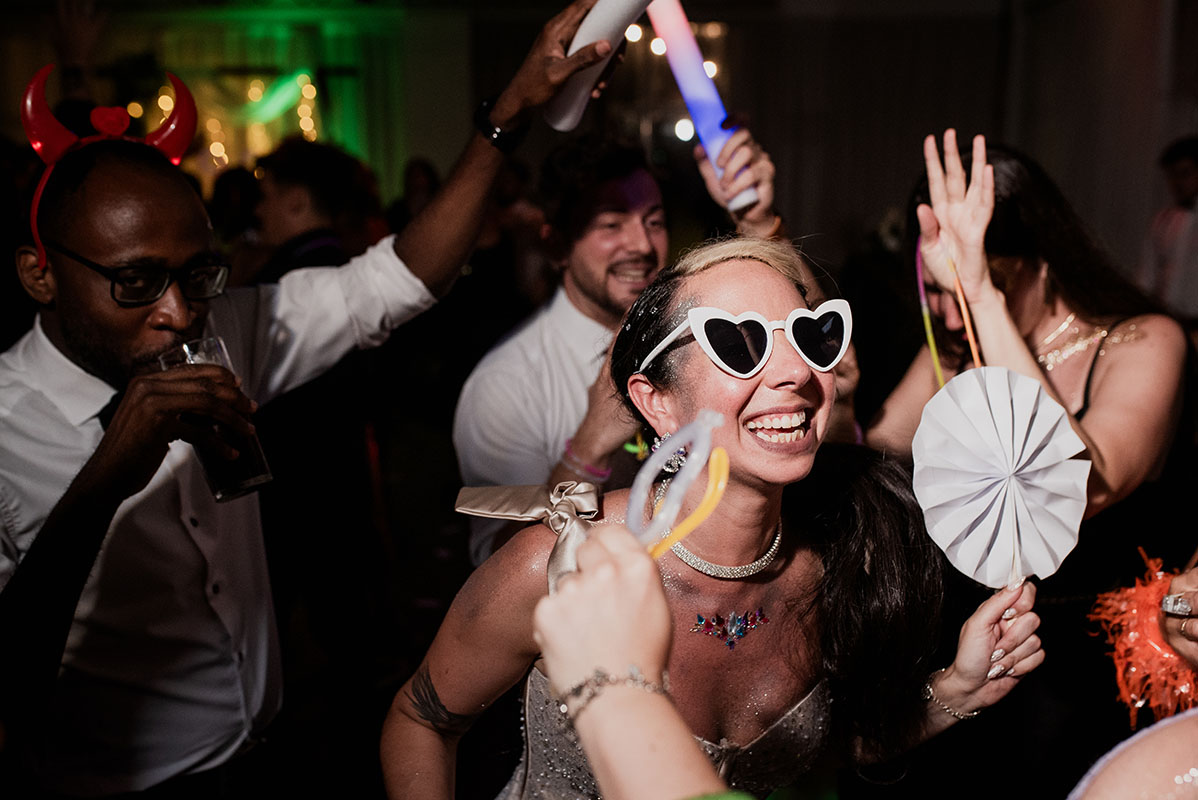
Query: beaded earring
{"type": "Point", "coordinates": [675, 462]}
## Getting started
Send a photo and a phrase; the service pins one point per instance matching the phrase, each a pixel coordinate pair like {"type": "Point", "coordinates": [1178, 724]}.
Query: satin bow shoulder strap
{"type": "Point", "coordinates": [566, 511]}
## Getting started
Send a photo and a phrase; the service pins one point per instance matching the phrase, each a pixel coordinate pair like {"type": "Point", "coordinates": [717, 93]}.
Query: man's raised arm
{"type": "Point", "coordinates": [438, 241]}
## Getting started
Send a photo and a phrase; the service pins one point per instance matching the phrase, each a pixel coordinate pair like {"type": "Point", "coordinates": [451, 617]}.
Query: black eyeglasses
{"type": "Point", "coordinates": [140, 286]}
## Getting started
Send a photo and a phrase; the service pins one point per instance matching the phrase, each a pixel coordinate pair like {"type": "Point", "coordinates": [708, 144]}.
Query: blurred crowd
{"type": "Point", "coordinates": [496, 326]}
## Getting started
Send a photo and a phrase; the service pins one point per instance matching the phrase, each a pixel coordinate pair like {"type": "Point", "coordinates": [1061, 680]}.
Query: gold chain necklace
{"type": "Point", "coordinates": [1059, 330]}
{"type": "Point", "coordinates": [1054, 358]}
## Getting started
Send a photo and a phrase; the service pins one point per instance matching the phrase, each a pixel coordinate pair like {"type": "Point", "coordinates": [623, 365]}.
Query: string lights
{"type": "Point", "coordinates": [306, 107]}
{"type": "Point", "coordinates": [244, 131]}
{"type": "Point", "coordinates": [216, 144]}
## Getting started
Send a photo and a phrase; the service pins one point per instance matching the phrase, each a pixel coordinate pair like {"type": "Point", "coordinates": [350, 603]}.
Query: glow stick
{"type": "Point", "coordinates": [927, 316]}
{"type": "Point", "coordinates": [696, 437]}
{"type": "Point", "coordinates": [973, 342]}
{"type": "Point", "coordinates": [698, 89]}
{"type": "Point", "coordinates": [717, 481]}
{"type": "Point", "coordinates": [638, 448]}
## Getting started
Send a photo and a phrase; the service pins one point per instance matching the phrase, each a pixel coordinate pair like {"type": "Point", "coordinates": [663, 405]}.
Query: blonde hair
{"type": "Point", "coordinates": [657, 310]}
{"type": "Point", "coordinates": [779, 255]}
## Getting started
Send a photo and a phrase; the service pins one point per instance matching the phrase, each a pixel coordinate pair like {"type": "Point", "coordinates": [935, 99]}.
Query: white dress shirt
{"type": "Point", "coordinates": [523, 401]}
{"type": "Point", "coordinates": [171, 664]}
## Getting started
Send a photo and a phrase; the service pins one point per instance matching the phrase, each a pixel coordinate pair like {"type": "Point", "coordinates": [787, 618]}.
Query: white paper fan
{"type": "Point", "coordinates": [994, 474]}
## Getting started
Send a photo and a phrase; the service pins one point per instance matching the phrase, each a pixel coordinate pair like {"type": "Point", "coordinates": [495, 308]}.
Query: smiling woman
{"type": "Point", "coordinates": [808, 575]}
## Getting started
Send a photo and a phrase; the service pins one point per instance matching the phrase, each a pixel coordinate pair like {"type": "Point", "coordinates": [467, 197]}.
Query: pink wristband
{"type": "Point", "coordinates": [574, 461]}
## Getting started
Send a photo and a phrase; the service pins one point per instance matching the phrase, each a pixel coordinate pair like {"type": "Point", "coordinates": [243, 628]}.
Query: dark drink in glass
{"type": "Point", "coordinates": [227, 478]}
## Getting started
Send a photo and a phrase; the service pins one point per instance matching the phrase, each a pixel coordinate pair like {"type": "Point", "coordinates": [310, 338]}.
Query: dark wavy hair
{"type": "Point", "coordinates": [1033, 222]}
{"type": "Point", "coordinates": [570, 177]}
{"type": "Point", "coordinates": [880, 597]}
{"type": "Point", "coordinates": [878, 601]}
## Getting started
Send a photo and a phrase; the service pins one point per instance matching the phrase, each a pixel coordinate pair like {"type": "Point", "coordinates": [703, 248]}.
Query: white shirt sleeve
{"type": "Point", "coordinates": [500, 441]}
{"type": "Point", "coordinates": [281, 335]}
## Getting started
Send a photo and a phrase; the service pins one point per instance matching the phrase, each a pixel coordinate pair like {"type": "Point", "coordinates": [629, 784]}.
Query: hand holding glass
{"type": "Point", "coordinates": [227, 478]}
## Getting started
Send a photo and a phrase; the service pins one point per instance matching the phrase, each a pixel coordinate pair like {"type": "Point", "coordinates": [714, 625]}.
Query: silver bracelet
{"type": "Point", "coordinates": [574, 701]}
{"type": "Point", "coordinates": [930, 696]}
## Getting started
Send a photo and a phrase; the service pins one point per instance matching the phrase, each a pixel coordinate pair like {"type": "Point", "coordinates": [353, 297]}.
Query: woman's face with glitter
{"type": "Point", "coordinates": [773, 421]}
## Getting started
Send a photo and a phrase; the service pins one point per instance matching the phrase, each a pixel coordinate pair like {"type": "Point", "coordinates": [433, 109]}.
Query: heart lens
{"type": "Point", "coordinates": [820, 339]}
{"type": "Point", "coordinates": [740, 346]}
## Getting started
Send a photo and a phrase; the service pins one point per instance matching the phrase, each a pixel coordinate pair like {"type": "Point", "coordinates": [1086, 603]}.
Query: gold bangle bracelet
{"type": "Point", "coordinates": [931, 697]}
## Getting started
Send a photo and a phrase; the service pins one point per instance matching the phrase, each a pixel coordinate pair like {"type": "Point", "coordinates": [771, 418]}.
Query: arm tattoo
{"type": "Point", "coordinates": [424, 698]}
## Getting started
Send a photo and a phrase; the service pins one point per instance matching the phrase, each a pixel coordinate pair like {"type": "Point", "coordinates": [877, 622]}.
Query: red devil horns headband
{"type": "Point", "coordinates": [51, 139]}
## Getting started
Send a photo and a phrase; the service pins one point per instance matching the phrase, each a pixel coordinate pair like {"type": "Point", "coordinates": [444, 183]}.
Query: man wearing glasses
{"type": "Point", "coordinates": [139, 641]}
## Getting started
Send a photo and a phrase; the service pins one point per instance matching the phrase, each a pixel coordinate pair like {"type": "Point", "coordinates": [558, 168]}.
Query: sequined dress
{"type": "Point", "coordinates": [553, 765]}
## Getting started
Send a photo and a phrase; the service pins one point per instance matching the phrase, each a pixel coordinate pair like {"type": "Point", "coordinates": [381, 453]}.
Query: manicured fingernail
{"type": "Point", "coordinates": [1010, 673]}
{"type": "Point", "coordinates": [997, 654]}
{"type": "Point", "coordinates": [1009, 613]}
{"type": "Point", "coordinates": [995, 671]}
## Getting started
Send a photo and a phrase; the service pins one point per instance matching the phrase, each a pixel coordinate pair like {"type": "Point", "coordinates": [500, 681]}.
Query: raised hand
{"type": "Point", "coordinates": [547, 67]}
{"type": "Point", "coordinates": [953, 227]}
{"type": "Point", "coordinates": [189, 403]}
{"type": "Point", "coordinates": [745, 164]}
{"type": "Point", "coordinates": [610, 615]}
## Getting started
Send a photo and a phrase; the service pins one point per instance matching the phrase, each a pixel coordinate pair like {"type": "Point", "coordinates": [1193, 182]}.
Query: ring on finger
{"type": "Point", "coordinates": [1185, 635]}
{"type": "Point", "coordinates": [1176, 605]}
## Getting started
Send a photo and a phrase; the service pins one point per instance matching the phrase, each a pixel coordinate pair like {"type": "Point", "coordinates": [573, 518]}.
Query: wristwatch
{"type": "Point", "coordinates": [504, 141]}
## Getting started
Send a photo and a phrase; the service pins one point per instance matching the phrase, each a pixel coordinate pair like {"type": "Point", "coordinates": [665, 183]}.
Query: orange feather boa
{"type": "Point", "coordinates": [1148, 671]}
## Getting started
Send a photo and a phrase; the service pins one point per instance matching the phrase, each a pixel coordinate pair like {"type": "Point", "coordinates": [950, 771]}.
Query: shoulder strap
{"type": "Point", "coordinates": [1090, 375]}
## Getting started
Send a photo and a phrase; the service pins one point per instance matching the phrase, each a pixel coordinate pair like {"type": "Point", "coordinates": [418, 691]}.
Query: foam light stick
{"type": "Point", "coordinates": [607, 20]}
{"type": "Point", "coordinates": [697, 437]}
{"type": "Point", "coordinates": [698, 89]}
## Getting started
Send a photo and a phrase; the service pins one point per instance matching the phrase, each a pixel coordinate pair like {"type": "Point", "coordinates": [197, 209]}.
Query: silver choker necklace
{"type": "Point", "coordinates": [719, 570]}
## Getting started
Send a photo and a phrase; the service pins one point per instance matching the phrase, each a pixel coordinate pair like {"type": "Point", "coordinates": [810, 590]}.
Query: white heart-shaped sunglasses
{"type": "Point", "coordinates": [740, 344]}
